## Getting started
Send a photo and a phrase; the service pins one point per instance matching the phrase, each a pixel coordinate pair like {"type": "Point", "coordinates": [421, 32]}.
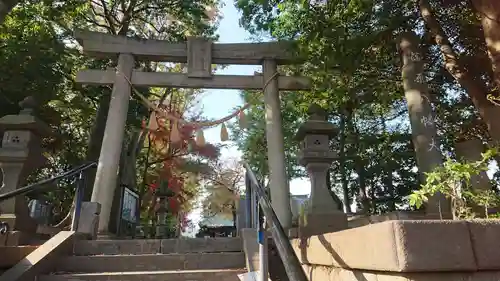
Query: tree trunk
{"type": "Point", "coordinates": [95, 143]}
{"type": "Point", "coordinates": [388, 178]}
{"type": "Point", "coordinates": [425, 139]}
{"type": "Point", "coordinates": [5, 7]}
{"type": "Point", "coordinates": [234, 214]}
{"type": "Point", "coordinates": [344, 119]}
{"type": "Point", "coordinates": [474, 88]}
{"type": "Point", "coordinates": [489, 11]}
{"type": "Point", "coordinates": [363, 197]}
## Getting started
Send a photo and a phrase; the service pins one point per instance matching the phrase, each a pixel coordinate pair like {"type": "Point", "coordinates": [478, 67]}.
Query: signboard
{"type": "Point", "coordinates": [129, 207]}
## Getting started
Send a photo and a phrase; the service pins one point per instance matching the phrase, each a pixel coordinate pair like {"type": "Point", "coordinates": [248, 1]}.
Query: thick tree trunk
{"type": "Point", "coordinates": [5, 7]}
{"type": "Point", "coordinates": [95, 143]}
{"type": "Point", "coordinates": [475, 89]}
{"type": "Point", "coordinates": [425, 139]}
{"type": "Point", "coordinates": [489, 11]}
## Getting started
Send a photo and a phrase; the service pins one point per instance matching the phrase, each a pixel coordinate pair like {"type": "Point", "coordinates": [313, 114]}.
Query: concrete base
{"type": "Point", "coordinates": [324, 273]}
{"type": "Point", "coordinates": [316, 224]}
{"type": "Point", "coordinates": [89, 219]}
{"type": "Point", "coordinates": [407, 246]}
{"type": "Point", "coordinates": [250, 248]}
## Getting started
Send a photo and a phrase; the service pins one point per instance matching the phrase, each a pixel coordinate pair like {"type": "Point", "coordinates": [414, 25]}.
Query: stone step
{"type": "Point", "coordinates": [157, 246]}
{"type": "Point", "coordinates": [187, 275]}
{"type": "Point", "coordinates": [151, 262]}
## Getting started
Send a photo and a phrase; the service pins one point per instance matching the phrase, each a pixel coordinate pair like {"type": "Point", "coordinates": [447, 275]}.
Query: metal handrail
{"type": "Point", "coordinates": [290, 260]}
{"type": "Point", "coordinates": [4, 227]}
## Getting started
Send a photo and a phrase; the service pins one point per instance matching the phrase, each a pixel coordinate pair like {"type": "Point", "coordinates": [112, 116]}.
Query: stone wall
{"type": "Point", "coordinates": [361, 220]}
{"type": "Point", "coordinates": [405, 250]}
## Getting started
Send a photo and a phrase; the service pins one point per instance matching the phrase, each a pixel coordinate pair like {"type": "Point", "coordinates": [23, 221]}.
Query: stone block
{"type": "Point", "coordinates": [325, 273]}
{"type": "Point", "coordinates": [361, 220]}
{"type": "Point", "coordinates": [89, 219]}
{"type": "Point", "coordinates": [176, 275]}
{"type": "Point", "coordinates": [117, 247]}
{"type": "Point", "coordinates": [251, 248]}
{"type": "Point", "coordinates": [200, 245]}
{"type": "Point", "coordinates": [317, 224]}
{"type": "Point", "coordinates": [486, 243]}
{"type": "Point", "coordinates": [124, 263]}
{"type": "Point", "coordinates": [396, 246]}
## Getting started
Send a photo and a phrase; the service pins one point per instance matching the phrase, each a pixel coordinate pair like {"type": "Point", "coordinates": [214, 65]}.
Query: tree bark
{"type": "Point", "coordinates": [95, 143]}
{"type": "Point", "coordinates": [344, 119]}
{"type": "Point", "coordinates": [5, 7]}
{"type": "Point", "coordinates": [489, 11]}
{"type": "Point", "coordinates": [424, 132]}
{"type": "Point", "coordinates": [475, 89]}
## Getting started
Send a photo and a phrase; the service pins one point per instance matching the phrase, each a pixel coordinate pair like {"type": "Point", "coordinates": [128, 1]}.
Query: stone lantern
{"type": "Point", "coordinates": [322, 214]}
{"type": "Point", "coordinates": [20, 154]}
{"type": "Point", "coordinates": [163, 193]}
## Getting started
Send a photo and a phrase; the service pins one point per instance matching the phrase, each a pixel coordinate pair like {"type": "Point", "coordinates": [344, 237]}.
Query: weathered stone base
{"type": "Point", "coordinates": [324, 273]}
{"type": "Point", "coordinates": [316, 224]}
{"type": "Point", "coordinates": [89, 219]}
{"type": "Point", "coordinates": [405, 250]}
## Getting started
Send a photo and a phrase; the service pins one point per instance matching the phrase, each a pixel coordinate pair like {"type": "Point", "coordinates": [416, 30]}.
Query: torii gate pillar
{"type": "Point", "coordinates": [280, 191]}
{"type": "Point", "coordinates": [107, 169]}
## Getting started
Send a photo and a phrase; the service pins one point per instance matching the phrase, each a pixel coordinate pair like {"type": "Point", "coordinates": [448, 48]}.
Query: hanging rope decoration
{"type": "Point", "coordinates": [197, 126]}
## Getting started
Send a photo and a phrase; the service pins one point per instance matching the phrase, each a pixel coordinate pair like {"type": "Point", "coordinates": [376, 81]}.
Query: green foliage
{"type": "Point", "coordinates": [349, 49]}
{"type": "Point", "coordinates": [453, 180]}
{"type": "Point", "coordinates": [40, 58]}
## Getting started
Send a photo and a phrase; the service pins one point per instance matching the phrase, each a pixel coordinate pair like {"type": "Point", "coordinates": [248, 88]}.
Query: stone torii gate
{"type": "Point", "coordinates": [199, 54]}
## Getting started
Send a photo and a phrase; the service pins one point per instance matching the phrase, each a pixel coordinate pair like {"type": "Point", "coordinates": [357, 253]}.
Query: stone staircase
{"type": "Point", "coordinates": [188, 259]}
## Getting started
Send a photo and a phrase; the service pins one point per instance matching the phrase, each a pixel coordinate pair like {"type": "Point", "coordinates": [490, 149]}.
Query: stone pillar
{"type": "Point", "coordinates": [280, 191]}
{"type": "Point", "coordinates": [470, 150]}
{"type": "Point", "coordinates": [107, 169]}
{"type": "Point", "coordinates": [322, 214]}
{"type": "Point", "coordinates": [20, 155]}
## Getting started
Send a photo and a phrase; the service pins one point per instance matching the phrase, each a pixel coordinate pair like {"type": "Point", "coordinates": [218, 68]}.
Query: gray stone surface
{"type": "Point", "coordinates": [151, 262]}
{"type": "Point", "coordinates": [194, 275]}
{"type": "Point", "coordinates": [89, 219]}
{"type": "Point", "coordinates": [157, 246]}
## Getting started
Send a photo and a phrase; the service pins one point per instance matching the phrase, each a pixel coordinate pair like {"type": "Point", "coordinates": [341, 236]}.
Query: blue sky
{"type": "Point", "coordinates": [219, 103]}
